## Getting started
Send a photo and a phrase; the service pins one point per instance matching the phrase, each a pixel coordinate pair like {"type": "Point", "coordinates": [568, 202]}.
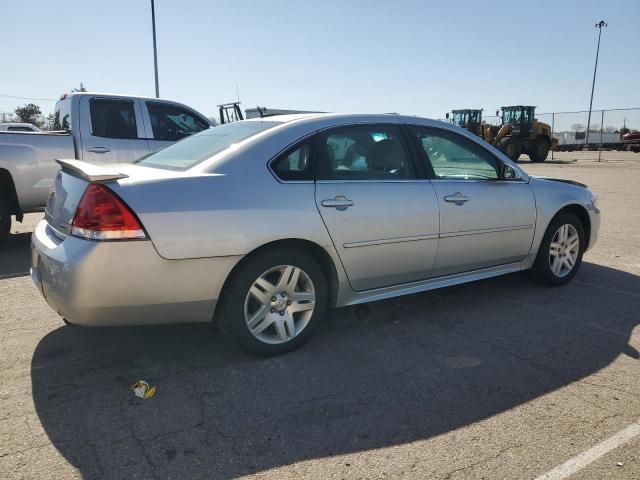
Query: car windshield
{"type": "Point", "coordinates": [201, 146]}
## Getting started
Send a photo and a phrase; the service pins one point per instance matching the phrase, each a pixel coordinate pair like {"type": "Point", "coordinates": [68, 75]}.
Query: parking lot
{"type": "Point", "coordinates": [500, 379]}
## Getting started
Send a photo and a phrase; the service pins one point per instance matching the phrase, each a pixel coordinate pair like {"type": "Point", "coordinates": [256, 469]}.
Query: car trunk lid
{"type": "Point", "coordinates": [68, 188]}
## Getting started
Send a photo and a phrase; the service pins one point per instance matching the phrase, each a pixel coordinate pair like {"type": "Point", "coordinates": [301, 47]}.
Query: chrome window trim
{"type": "Point", "coordinates": [407, 180]}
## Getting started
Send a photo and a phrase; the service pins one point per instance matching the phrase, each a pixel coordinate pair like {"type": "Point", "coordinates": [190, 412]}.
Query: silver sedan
{"type": "Point", "coordinates": [263, 225]}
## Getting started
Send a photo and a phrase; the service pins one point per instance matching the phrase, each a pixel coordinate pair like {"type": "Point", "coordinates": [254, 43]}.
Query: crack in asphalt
{"type": "Point", "coordinates": [484, 460]}
{"type": "Point", "coordinates": [32, 447]}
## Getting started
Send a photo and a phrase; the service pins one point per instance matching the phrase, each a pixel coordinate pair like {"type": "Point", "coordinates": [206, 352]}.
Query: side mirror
{"type": "Point", "coordinates": [508, 172]}
{"type": "Point", "coordinates": [447, 115]}
{"type": "Point", "coordinates": [497, 113]}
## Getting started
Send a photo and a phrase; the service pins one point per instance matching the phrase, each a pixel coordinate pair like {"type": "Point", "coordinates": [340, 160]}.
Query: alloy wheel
{"type": "Point", "coordinates": [279, 304]}
{"type": "Point", "coordinates": [564, 250]}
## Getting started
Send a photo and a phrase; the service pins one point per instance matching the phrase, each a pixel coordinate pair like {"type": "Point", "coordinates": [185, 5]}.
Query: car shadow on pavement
{"type": "Point", "coordinates": [399, 371]}
{"type": "Point", "coordinates": [15, 255]}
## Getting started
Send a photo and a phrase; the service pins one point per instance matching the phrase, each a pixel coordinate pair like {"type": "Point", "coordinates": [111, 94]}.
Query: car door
{"type": "Point", "coordinates": [167, 123]}
{"type": "Point", "coordinates": [485, 220]}
{"type": "Point", "coordinates": [382, 218]}
{"type": "Point", "coordinates": [111, 130]}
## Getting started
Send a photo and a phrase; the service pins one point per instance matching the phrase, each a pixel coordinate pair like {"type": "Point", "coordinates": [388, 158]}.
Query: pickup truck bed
{"type": "Point", "coordinates": [29, 157]}
{"type": "Point", "coordinates": [93, 127]}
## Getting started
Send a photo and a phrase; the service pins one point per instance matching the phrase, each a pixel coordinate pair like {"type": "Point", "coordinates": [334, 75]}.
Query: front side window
{"type": "Point", "coordinates": [172, 123]}
{"type": "Point", "coordinates": [294, 164]}
{"type": "Point", "coordinates": [372, 152]}
{"type": "Point", "coordinates": [113, 119]}
{"type": "Point", "coordinates": [454, 157]}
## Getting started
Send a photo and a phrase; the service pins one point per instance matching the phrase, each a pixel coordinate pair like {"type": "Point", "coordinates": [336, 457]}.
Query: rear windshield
{"type": "Point", "coordinates": [201, 146]}
{"type": "Point", "coordinates": [62, 116]}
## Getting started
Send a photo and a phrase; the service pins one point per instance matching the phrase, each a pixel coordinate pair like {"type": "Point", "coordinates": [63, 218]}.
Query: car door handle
{"type": "Point", "coordinates": [340, 202]}
{"type": "Point", "coordinates": [457, 198]}
{"type": "Point", "coordinates": [98, 149]}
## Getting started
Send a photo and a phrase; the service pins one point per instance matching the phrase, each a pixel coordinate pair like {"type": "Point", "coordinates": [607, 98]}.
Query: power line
{"type": "Point", "coordinates": [28, 98]}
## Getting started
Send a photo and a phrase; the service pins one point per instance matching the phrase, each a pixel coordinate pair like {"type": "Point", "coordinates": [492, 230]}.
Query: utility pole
{"type": "Point", "coordinates": [155, 50]}
{"type": "Point", "coordinates": [599, 26]}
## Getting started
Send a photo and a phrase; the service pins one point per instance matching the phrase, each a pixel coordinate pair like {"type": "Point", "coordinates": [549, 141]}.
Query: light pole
{"type": "Point", "coordinates": [599, 26]}
{"type": "Point", "coordinates": [155, 50]}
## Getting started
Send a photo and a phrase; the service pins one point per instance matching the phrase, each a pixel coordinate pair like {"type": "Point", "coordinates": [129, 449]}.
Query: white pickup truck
{"type": "Point", "coordinates": [18, 127]}
{"type": "Point", "coordinates": [93, 127]}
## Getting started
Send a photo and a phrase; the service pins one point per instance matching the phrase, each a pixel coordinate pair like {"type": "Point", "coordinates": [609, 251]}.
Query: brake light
{"type": "Point", "coordinates": [102, 215]}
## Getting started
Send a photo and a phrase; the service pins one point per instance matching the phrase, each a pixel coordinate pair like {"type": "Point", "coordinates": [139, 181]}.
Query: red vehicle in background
{"type": "Point", "coordinates": [632, 141]}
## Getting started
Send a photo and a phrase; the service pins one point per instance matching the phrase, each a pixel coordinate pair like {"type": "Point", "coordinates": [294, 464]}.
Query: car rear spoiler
{"type": "Point", "coordinates": [89, 171]}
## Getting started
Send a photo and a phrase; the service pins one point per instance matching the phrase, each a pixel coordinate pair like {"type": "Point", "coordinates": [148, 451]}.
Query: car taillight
{"type": "Point", "coordinates": [102, 215]}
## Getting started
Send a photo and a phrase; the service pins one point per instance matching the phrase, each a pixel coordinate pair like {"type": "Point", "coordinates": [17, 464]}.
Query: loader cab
{"type": "Point", "coordinates": [521, 119]}
{"type": "Point", "coordinates": [468, 119]}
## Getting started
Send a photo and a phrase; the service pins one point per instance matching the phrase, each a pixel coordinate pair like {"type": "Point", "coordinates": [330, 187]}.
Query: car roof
{"type": "Point", "coordinates": [328, 119]}
{"type": "Point", "coordinates": [116, 95]}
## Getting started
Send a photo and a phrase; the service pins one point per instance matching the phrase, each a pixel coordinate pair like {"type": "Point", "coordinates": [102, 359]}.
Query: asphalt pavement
{"type": "Point", "coordinates": [503, 378]}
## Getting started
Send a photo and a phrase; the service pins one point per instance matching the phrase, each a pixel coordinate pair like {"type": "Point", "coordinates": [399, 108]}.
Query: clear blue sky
{"type": "Point", "coordinates": [409, 56]}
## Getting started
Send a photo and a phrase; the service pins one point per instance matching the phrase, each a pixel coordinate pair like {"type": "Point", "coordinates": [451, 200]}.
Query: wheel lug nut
{"type": "Point", "coordinates": [282, 294]}
{"type": "Point", "coordinates": [272, 310]}
{"type": "Point", "coordinates": [282, 313]}
{"type": "Point", "coordinates": [273, 299]}
{"type": "Point", "coordinates": [288, 302]}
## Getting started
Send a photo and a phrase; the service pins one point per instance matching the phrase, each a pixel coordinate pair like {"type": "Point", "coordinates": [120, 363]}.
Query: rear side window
{"type": "Point", "coordinates": [173, 123]}
{"type": "Point", "coordinates": [294, 164]}
{"type": "Point", "coordinates": [113, 119]}
{"type": "Point", "coordinates": [371, 152]}
{"type": "Point", "coordinates": [20, 129]}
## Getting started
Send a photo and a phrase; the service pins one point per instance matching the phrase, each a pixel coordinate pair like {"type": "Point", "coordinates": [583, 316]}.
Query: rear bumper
{"type": "Point", "coordinates": [123, 283]}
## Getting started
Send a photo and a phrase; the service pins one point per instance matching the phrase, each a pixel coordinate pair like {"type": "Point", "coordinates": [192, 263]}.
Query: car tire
{"type": "Point", "coordinates": [539, 150]}
{"type": "Point", "coordinates": [557, 261]}
{"type": "Point", "coordinates": [5, 219]}
{"type": "Point", "coordinates": [266, 315]}
{"type": "Point", "coordinates": [511, 148]}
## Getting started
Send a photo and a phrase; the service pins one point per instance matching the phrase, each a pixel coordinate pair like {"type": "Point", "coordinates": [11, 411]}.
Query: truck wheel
{"type": "Point", "coordinates": [510, 147]}
{"type": "Point", "coordinates": [5, 219]}
{"type": "Point", "coordinates": [540, 150]}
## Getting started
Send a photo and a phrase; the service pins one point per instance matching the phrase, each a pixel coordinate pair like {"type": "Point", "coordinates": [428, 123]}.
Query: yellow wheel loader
{"type": "Point", "coordinates": [519, 132]}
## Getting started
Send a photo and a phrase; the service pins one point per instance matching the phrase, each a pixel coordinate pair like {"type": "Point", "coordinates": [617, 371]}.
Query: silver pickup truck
{"type": "Point", "coordinates": [93, 127]}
